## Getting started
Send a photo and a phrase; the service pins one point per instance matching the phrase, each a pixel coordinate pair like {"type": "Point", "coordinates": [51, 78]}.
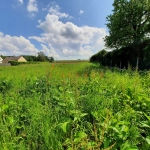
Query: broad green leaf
{"type": "Point", "coordinates": [75, 119]}
{"type": "Point", "coordinates": [64, 126]}
{"type": "Point", "coordinates": [83, 114]}
{"type": "Point", "coordinates": [11, 119]}
{"type": "Point", "coordinates": [132, 148]}
{"type": "Point", "coordinates": [125, 128]}
{"type": "Point", "coordinates": [115, 129]}
{"type": "Point", "coordinates": [81, 134]}
{"type": "Point", "coordinates": [144, 125]}
{"type": "Point", "coordinates": [148, 141]}
{"type": "Point", "coordinates": [60, 89]}
{"type": "Point", "coordinates": [148, 117]}
{"type": "Point", "coordinates": [61, 104]}
{"type": "Point", "coordinates": [4, 107]}
{"type": "Point", "coordinates": [77, 140]}
{"type": "Point", "coordinates": [106, 143]}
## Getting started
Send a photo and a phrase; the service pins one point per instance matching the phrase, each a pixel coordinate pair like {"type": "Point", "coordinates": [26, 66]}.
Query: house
{"type": "Point", "coordinates": [1, 59]}
{"type": "Point", "coordinates": [14, 58]}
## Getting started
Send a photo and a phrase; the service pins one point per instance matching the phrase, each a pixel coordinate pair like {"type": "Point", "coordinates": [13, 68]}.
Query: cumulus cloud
{"type": "Point", "coordinates": [53, 9]}
{"type": "Point", "coordinates": [1, 34]}
{"type": "Point", "coordinates": [56, 11]}
{"type": "Point", "coordinates": [81, 12]}
{"type": "Point", "coordinates": [68, 39]}
{"type": "Point", "coordinates": [32, 6]}
{"type": "Point", "coordinates": [21, 1]}
{"type": "Point", "coordinates": [49, 51]}
{"type": "Point", "coordinates": [13, 45]}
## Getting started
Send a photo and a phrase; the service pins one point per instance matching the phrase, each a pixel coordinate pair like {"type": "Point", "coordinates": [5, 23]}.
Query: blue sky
{"type": "Point", "coordinates": [64, 29]}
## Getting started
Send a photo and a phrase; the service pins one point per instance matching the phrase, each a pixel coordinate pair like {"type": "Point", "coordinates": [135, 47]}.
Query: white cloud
{"type": "Point", "coordinates": [13, 45]}
{"type": "Point", "coordinates": [55, 10]}
{"type": "Point", "coordinates": [81, 12]}
{"type": "Point", "coordinates": [1, 34]}
{"type": "Point", "coordinates": [68, 39]}
{"type": "Point", "coordinates": [49, 51]}
{"type": "Point", "coordinates": [21, 1]}
{"type": "Point", "coordinates": [32, 6]}
{"type": "Point", "coordinates": [46, 8]}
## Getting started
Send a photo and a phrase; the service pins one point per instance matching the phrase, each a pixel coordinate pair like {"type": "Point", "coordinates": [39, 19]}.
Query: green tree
{"type": "Point", "coordinates": [51, 59]}
{"type": "Point", "coordinates": [41, 56]}
{"type": "Point", "coordinates": [129, 24]}
{"type": "Point", "coordinates": [99, 57]}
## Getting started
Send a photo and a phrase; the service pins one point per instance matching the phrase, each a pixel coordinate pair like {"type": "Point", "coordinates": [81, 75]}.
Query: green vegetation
{"type": "Point", "coordinates": [16, 63]}
{"type": "Point", "coordinates": [40, 57]}
{"type": "Point", "coordinates": [129, 23]}
{"type": "Point", "coordinates": [125, 56]}
{"type": "Point", "coordinates": [73, 106]}
{"type": "Point", "coordinates": [128, 37]}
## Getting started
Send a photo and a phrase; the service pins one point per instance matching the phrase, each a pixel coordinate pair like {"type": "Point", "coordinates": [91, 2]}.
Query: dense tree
{"type": "Point", "coordinates": [51, 59]}
{"type": "Point", "coordinates": [129, 24]}
{"type": "Point", "coordinates": [42, 57]}
{"type": "Point", "coordinates": [2, 56]}
{"type": "Point", "coordinates": [30, 57]}
{"type": "Point", "coordinates": [124, 56]}
{"type": "Point", "coordinates": [129, 35]}
{"type": "Point", "coordinates": [99, 57]}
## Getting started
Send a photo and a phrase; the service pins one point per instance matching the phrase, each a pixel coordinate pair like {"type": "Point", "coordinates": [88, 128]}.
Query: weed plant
{"type": "Point", "coordinates": [74, 107]}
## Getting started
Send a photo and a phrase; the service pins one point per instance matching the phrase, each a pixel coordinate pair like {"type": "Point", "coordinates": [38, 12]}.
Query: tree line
{"type": "Point", "coordinates": [39, 57]}
{"type": "Point", "coordinates": [129, 35]}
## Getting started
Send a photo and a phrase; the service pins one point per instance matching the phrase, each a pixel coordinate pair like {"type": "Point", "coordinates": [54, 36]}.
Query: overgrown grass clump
{"type": "Point", "coordinates": [74, 107]}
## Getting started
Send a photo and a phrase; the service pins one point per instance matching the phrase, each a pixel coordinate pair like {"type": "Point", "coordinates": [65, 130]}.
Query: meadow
{"type": "Point", "coordinates": [74, 106]}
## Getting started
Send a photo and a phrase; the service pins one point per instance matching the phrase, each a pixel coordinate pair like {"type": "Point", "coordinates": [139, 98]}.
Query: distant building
{"type": "Point", "coordinates": [1, 59]}
{"type": "Point", "coordinates": [14, 58]}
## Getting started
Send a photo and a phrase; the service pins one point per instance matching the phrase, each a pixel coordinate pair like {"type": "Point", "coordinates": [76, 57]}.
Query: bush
{"type": "Point", "coordinates": [16, 63]}
{"type": "Point", "coordinates": [51, 59]}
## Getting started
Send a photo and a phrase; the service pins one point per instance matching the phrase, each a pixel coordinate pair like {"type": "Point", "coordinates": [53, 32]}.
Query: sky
{"type": "Point", "coordinates": [63, 29]}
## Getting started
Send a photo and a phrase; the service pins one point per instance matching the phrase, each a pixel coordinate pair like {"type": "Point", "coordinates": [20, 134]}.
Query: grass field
{"type": "Point", "coordinates": [73, 106]}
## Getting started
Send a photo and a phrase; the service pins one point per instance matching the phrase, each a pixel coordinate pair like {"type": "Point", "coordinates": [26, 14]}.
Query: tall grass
{"type": "Point", "coordinates": [73, 106]}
